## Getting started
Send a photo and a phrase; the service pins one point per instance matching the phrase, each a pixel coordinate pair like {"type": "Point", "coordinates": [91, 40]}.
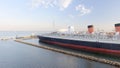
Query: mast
{"type": "Point", "coordinates": [54, 25]}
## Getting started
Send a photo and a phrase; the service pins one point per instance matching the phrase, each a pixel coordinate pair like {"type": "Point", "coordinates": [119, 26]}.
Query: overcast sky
{"type": "Point", "coordinates": [41, 15]}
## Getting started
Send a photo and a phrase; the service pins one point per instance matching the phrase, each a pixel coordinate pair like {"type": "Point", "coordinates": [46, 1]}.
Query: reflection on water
{"type": "Point", "coordinates": [17, 55]}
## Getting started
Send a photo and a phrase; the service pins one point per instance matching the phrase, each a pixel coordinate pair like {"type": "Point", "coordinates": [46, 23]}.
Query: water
{"type": "Point", "coordinates": [17, 33]}
{"type": "Point", "coordinates": [103, 56]}
{"type": "Point", "coordinates": [18, 55]}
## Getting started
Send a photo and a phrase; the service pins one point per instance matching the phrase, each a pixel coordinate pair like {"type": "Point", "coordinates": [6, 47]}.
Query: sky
{"type": "Point", "coordinates": [47, 15]}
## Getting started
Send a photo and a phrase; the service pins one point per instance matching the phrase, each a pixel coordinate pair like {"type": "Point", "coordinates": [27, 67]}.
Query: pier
{"type": "Point", "coordinates": [92, 58]}
{"type": "Point", "coordinates": [24, 39]}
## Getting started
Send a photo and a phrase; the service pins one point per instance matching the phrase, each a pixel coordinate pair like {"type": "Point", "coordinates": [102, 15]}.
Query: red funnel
{"type": "Point", "coordinates": [90, 29]}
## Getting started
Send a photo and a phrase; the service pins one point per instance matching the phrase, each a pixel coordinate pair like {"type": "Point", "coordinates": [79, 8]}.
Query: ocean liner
{"type": "Point", "coordinates": [97, 42]}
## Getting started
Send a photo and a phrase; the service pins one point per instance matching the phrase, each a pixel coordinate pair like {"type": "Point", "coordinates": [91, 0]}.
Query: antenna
{"type": "Point", "coordinates": [53, 25]}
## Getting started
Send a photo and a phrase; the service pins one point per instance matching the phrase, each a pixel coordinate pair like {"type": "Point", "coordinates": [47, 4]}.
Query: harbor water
{"type": "Point", "coordinates": [18, 55]}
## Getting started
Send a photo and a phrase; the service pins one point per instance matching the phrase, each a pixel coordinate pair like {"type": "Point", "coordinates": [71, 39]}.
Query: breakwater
{"type": "Point", "coordinates": [114, 63]}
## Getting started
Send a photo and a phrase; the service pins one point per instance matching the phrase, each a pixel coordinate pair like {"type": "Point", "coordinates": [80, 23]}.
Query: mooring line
{"type": "Point", "coordinates": [114, 63]}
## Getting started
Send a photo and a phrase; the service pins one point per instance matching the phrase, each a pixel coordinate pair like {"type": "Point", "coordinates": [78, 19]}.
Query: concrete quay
{"type": "Point", "coordinates": [92, 58]}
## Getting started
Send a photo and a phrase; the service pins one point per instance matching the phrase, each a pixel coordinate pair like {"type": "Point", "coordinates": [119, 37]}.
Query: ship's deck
{"type": "Point", "coordinates": [91, 38]}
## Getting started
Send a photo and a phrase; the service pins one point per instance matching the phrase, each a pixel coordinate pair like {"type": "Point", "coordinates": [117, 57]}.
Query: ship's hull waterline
{"type": "Point", "coordinates": [96, 47]}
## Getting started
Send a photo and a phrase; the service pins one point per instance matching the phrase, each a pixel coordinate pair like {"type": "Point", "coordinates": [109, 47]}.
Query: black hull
{"type": "Point", "coordinates": [98, 47]}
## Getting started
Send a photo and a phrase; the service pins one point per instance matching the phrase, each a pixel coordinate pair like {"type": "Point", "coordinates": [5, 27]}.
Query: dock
{"type": "Point", "coordinates": [92, 58]}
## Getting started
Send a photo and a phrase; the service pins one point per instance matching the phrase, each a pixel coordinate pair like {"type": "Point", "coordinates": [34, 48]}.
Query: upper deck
{"type": "Point", "coordinates": [86, 37]}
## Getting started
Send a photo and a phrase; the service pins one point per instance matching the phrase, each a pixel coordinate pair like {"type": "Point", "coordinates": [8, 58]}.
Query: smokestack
{"type": "Point", "coordinates": [90, 29]}
{"type": "Point", "coordinates": [117, 27]}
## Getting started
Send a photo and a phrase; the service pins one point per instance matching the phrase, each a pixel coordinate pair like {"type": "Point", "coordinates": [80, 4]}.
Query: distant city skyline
{"type": "Point", "coordinates": [45, 15]}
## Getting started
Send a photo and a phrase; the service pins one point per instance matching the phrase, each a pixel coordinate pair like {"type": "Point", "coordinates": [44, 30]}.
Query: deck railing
{"type": "Point", "coordinates": [97, 37]}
